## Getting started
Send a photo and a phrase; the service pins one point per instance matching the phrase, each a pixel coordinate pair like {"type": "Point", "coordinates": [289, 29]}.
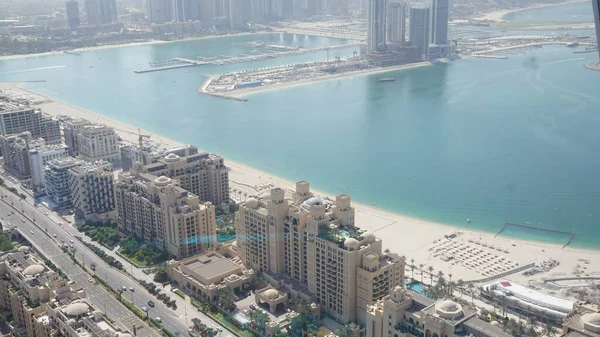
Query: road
{"type": "Point", "coordinates": [177, 321]}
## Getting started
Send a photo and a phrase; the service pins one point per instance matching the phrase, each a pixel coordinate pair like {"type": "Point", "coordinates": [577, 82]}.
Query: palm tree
{"type": "Point", "coordinates": [421, 266]}
{"type": "Point", "coordinates": [430, 268]}
{"type": "Point", "coordinates": [450, 284]}
{"type": "Point", "coordinates": [471, 287]}
{"type": "Point", "coordinates": [460, 284]}
{"type": "Point", "coordinates": [412, 268]}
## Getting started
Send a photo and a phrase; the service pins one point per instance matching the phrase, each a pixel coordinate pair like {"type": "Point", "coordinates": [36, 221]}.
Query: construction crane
{"type": "Point", "coordinates": [141, 138]}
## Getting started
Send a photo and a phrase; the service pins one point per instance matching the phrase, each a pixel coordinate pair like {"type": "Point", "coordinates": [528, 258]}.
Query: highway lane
{"type": "Point", "coordinates": [176, 321]}
{"type": "Point", "coordinates": [123, 317]}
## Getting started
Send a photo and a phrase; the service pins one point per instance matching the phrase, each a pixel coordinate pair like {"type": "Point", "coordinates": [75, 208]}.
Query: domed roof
{"type": "Point", "coordinates": [77, 309]}
{"type": "Point", "coordinates": [448, 305]}
{"type": "Point", "coordinates": [495, 323]}
{"type": "Point", "coordinates": [171, 157]}
{"type": "Point", "coordinates": [251, 203]}
{"type": "Point", "coordinates": [351, 242]}
{"type": "Point", "coordinates": [162, 180]}
{"type": "Point", "coordinates": [271, 294]}
{"type": "Point", "coordinates": [34, 269]}
{"type": "Point", "coordinates": [593, 318]}
{"type": "Point", "coordinates": [369, 237]}
{"type": "Point", "coordinates": [23, 249]}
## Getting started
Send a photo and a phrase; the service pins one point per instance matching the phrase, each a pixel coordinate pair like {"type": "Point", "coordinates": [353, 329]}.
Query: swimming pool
{"type": "Point", "coordinates": [417, 287]}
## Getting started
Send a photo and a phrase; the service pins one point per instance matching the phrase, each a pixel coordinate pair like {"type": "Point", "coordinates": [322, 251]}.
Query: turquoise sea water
{"type": "Point", "coordinates": [494, 140]}
{"type": "Point", "coordinates": [580, 11]}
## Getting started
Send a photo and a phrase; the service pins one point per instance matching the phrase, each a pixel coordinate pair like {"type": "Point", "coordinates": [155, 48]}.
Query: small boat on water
{"type": "Point", "coordinates": [468, 220]}
{"type": "Point", "coordinates": [386, 79]}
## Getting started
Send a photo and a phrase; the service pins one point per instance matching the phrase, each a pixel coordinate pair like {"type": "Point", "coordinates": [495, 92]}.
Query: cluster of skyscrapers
{"type": "Point", "coordinates": [97, 12]}
{"type": "Point", "coordinates": [596, 7]}
{"type": "Point", "coordinates": [428, 29]}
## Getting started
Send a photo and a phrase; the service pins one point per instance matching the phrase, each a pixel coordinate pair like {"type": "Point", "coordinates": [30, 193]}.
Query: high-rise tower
{"type": "Point", "coordinates": [397, 22]}
{"type": "Point", "coordinates": [419, 28]}
{"type": "Point", "coordinates": [440, 13]}
{"type": "Point", "coordinates": [72, 14]}
{"type": "Point", "coordinates": [376, 11]}
{"type": "Point", "coordinates": [596, 6]}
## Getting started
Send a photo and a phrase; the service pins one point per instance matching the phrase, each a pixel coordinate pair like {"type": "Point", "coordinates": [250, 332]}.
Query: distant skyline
{"type": "Point", "coordinates": [596, 8]}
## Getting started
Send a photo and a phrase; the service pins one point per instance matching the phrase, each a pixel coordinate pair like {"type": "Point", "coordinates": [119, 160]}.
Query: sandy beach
{"type": "Point", "coordinates": [499, 14]}
{"type": "Point", "coordinates": [411, 237]}
{"type": "Point", "coordinates": [121, 45]}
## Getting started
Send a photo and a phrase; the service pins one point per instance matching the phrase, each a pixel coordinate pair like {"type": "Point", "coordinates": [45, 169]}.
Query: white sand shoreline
{"type": "Point", "coordinates": [243, 93]}
{"type": "Point", "coordinates": [127, 44]}
{"type": "Point", "coordinates": [499, 14]}
{"type": "Point", "coordinates": [405, 235]}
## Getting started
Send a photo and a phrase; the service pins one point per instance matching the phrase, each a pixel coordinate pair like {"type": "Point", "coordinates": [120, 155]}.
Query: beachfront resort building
{"type": "Point", "coordinates": [203, 174]}
{"type": "Point", "coordinates": [98, 142]}
{"type": "Point", "coordinates": [584, 322]}
{"type": "Point", "coordinates": [314, 241]}
{"type": "Point", "coordinates": [92, 190]}
{"type": "Point", "coordinates": [404, 313]}
{"type": "Point", "coordinates": [56, 180]}
{"type": "Point", "coordinates": [162, 213]}
{"type": "Point", "coordinates": [150, 153]}
{"type": "Point", "coordinates": [15, 120]}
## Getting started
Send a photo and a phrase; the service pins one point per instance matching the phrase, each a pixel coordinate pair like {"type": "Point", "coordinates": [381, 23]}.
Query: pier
{"type": "Point", "coordinates": [554, 231]}
{"type": "Point", "coordinates": [180, 62]}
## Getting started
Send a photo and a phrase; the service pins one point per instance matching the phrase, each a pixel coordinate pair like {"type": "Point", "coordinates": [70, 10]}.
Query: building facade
{"type": "Point", "coordinates": [56, 180]}
{"type": "Point", "coordinates": [15, 151]}
{"type": "Point", "coordinates": [440, 14]}
{"type": "Point", "coordinates": [164, 214]}
{"type": "Point", "coordinates": [13, 121]}
{"type": "Point", "coordinates": [376, 23]}
{"type": "Point", "coordinates": [100, 12]}
{"type": "Point", "coordinates": [596, 8]}
{"type": "Point", "coordinates": [71, 128]}
{"type": "Point", "coordinates": [315, 242]}
{"type": "Point", "coordinates": [404, 313]}
{"type": "Point", "coordinates": [419, 29]}
{"type": "Point", "coordinates": [98, 142]}
{"type": "Point", "coordinates": [72, 14]}
{"type": "Point", "coordinates": [397, 22]}
{"type": "Point", "coordinates": [149, 154]}
{"type": "Point", "coordinates": [92, 190]}
{"type": "Point", "coordinates": [40, 154]}
{"type": "Point", "coordinates": [203, 174]}
{"type": "Point", "coordinates": [159, 11]}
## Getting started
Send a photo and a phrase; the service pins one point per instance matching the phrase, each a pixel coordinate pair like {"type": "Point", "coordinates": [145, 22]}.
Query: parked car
{"type": "Point", "coordinates": [151, 304]}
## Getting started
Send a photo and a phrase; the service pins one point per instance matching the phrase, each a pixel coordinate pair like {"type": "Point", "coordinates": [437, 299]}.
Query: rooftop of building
{"type": "Point", "coordinates": [28, 265]}
{"type": "Point", "coordinates": [64, 162]}
{"type": "Point", "coordinates": [87, 167]}
{"type": "Point", "coordinates": [209, 268]}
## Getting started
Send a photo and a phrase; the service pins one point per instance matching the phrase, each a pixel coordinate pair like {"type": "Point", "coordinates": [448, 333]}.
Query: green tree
{"type": "Point", "coordinates": [226, 297]}
{"type": "Point", "coordinates": [5, 244]}
{"type": "Point", "coordinates": [161, 275]}
{"type": "Point", "coordinates": [344, 331]}
{"type": "Point", "coordinates": [260, 320]}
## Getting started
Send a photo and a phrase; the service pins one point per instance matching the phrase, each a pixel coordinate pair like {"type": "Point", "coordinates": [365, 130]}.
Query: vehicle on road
{"type": "Point", "coordinates": [60, 223]}
{"type": "Point", "coordinates": [71, 246]}
{"type": "Point", "coordinates": [23, 220]}
{"type": "Point", "coordinates": [54, 234]}
{"type": "Point", "coordinates": [252, 307]}
{"type": "Point", "coordinates": [31, 232]}
{"type": "Point", "coordinates": [144, 309]}
{"type": "Point", "coordinates": [219, 329]}
{"type": "Point", "coordinates": [90, 280]}
{"type": "Point", "coordinates": [131, 289]}
{"type": "Point", "coordinates": [151, 304]}
{"type": "Point", "coordinates": [47, 213]}
{"type": "Point", "coordinates": [71, 241]}
{"type": "Point", "coordinates": [158, 319]}
{"type": "Point", "coordinates": [12, 212]}
{"type": "Point", "coordinates": [124, 288]}
{"type": "Point", "coordinates": [245, 311]}
{"type": "Point", "coordinates": [192, 333]}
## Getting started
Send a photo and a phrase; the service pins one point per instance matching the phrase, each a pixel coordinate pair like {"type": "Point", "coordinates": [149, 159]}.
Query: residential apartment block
{"type": "Point", "coordinates": [15, 150]}
{"type": "Point", "coordinates": [404, 313]}
{"type": "Point", "coordinates": [41, 153]}
{"type": "Point", "coordinates": [44, 304]}
{"type": "Point", "coordinates": [14, 120]}
{"type": "Point", "coordinates": [56, 180]}
{"type": "Point", "coordinates": [314, 241]}
{"type": "Point", "coordinates": [164, 214]}
{"type": "Point", "coordinates": [71, 128]}
{"type": "Point", "coordinates": [25, 286]}
{"type": "Point", "coordinates": [92, 190]}
{"type": "Point", "coordinates": [203, 174]}
{"type": "Point", "coordinates": [98, 142]}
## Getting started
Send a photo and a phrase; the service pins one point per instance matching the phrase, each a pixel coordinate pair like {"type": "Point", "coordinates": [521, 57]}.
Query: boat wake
{"type": "Point", "coordinates": [32, 70]}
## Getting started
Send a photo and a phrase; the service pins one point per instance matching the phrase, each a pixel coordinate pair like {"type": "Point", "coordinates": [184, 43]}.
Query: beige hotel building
{"type": "Point", "coordinates": [315, 242]}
